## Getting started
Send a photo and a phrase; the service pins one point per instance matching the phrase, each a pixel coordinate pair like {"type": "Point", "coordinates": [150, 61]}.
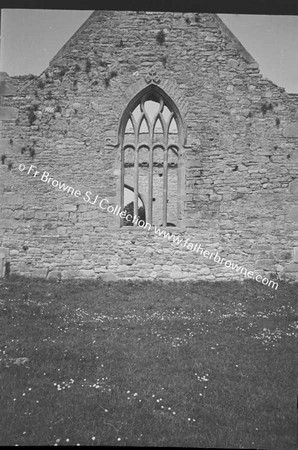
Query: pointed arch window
{"type": "Point", "coordinates": [151, 142]}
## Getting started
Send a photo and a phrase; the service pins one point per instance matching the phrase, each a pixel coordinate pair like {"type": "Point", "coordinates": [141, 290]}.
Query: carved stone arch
{"type": "Point", "coordinates": [168, 90]}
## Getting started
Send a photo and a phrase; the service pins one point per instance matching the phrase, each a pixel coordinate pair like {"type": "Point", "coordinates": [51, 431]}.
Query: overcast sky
{"type": "Point", "coordinates": [30, 39]}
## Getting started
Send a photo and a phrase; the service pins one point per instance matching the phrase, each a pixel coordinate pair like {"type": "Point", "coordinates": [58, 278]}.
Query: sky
{"type": "Point", "coordinates": [31, 38]}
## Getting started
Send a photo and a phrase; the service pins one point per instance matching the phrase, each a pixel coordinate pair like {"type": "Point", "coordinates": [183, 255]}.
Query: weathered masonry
{"type": "Point", "coordinates": [164, 114]}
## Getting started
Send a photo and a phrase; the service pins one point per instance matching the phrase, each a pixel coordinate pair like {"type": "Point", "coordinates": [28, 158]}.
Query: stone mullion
{"type": "Point", "coordinates": [136, 172]}
{"type": "Point", "coordinates": [150, 181]}
{"type": "Point", "coordinates": [165, 186]}
{"type": "Point", "coordinates": [136, 184]}
{"type": "Point", "coordinates": [179, 180]}
{"type": "Point", "coordinates": [168, 125]}
{"type": "Point", "coordinates": [150, 184]}
{"type": "Point", "coordinates": [122, 182]}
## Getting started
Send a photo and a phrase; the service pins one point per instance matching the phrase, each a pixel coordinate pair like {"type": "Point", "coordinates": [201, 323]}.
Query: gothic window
{"type": "Point", "coordinates": [150, 140]}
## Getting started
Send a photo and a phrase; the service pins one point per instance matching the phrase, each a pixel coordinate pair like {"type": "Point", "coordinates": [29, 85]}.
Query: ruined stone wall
{"type": "Point", "coordinates": [240, 158]}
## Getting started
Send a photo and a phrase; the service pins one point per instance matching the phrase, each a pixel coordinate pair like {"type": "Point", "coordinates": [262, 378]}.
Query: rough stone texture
{"type": "Point", "coordinates": [291, 130]}
{"type": "Point", "coordinates": [295, 250]}
{"type": "Point", "coordinates": [294, 187]}
{"type": "Point", "coordinates": [109, 277]}
{"type": "Point", "coordinates": [240, 161]}
{"type": "Point", "coordinates": [293, 214]}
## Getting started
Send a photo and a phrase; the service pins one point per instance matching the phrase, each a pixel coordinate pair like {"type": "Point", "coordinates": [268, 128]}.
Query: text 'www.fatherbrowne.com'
{"type": "Point", "coordinates": [176, 240]}
{"type": "Point", "coordinates": [197, 248]}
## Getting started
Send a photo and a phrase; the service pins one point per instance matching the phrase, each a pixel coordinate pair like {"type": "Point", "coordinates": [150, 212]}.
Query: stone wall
{"type": "Point", "coordinates": [240, 158]}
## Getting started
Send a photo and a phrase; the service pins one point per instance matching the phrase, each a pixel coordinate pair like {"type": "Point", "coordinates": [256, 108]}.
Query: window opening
{"type": "Point", "coordinates": [151, 159]}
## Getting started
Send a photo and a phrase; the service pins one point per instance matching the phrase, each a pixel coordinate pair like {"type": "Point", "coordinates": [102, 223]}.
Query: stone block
{"type": "Point", "coordinates": [265, 264]}
{"type": "Point", "coordinates": [4, 252]}
{"type": "Point", "coordinates": [294, 187]}
{"type": "Point", "coordinates": [89, 215]}
{"type": "Point", "coordinates": [54, 274]}
{"type": "Point", "coordinates": [153, 274]}
{"type": "Point", "coordinates": [61, 230]}
{"type": "Point", "coordinates": [294, 156]}
{"type": "Point", "coordinates": [6, 87]}
{"type": "Point", "coordinates": [8, 113]}
{"type": "Point", "coordinates": [40, 215]}
{"type": "Point", "coordinates": [291, 130]}
{"type": "Point", "coordinates": [213, 224]}
{"type": "Point", "coordinates": [108, 276]}
{"type": "Point", "coordinates": [29, 215]}
{"type": "Point", "coordinates": [176, 275]}
{"type": "Point", "coordinates": [292, 267]}
{"type": "Point", "coordinates": [127, 261]}
{"type": "Point", "coordinates": [295, 254]}
{"type": "Point", "coordinates": [204, 271]}
{"type": "Point", "coordinates": [40, 273]}
{"type": "Point", "coordinates": [10, 224]}
{"type": "Point", "coordinates": [69, 207]}
{"type": "Point", "coordinates": [68, 274]}
{"type": "Point", "coordinates": [293, 214]}
{"type": "Point", "coordinates": [11, 199]}
{"type": "Point", "coordinates": [191, 223]}
{"type": "Point", "coordinates": [18, 214]}
{"type": "Point", "coordinates": [87, 273]}
{"type": "Point", "coordinates": [144, 273]}
{"type": "Point", "coordinates": [34, 250]}
{"type": "Point", "coordinates": [22, 266]}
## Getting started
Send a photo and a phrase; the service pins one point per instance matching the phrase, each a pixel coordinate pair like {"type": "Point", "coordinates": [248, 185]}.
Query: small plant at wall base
{"type": "Point", "coordinates": [40, 84]}
{"type": "Point", "coordinates": [266, 107]}
{"type": "Point", "coordinates": [31, 115]}
{"type": "Point", "coordinates": [32, 152]}
{"type": "Point", "coordinates": [49, 95]}
{"type": "Point", "coordinates": [108, 78]}
{"type": "Point", "coordinates": [164, 60]}
{"type": "Point", "coordinates": [62, 73]}
{"type": "Point", "coordinates": [160, 37]}
{"type": "Point", "coordinates": [87, 66]}
{"type": "Point", "coordinates": [120, 44]}
{"type": "Point", "coordinates": [102, 63]}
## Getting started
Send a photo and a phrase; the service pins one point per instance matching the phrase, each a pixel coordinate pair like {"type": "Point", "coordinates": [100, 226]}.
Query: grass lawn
{"type": "Point", "coordinates": [194, 364]}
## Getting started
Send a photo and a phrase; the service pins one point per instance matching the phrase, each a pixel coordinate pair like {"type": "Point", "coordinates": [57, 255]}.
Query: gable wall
{"type": "Point", "coordinates": [240, 170]}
